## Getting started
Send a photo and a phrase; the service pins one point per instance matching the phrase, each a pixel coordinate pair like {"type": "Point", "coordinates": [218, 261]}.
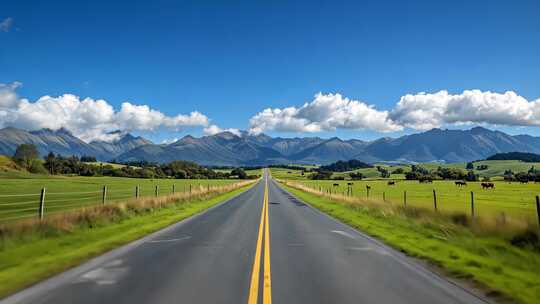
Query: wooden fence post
{"type": "Point", "coordinates": [137, 190]}
{"type": "Point", "coordinates": [538, 208]}
{"type": "Point", "coordinates": [104, 197]}
{"type": "Point", "coordinates": [472, 204]}
{"type": "Point", "coordinates": [405, 198]}
{"type": "Point", "coordinates": [173, 188]}
{"type": "Point", "coordinates": [42, 204]}
{"type": "Point", "coordinates": [157, 190]}
{"type": "Point", "coordinates": [367, 191]}
{"type": "Point", "coordinates": [383, 197]}
{"type": "Point", "coordinates": [189, 189]}
{"type": "Point", "coordinates": [434, 199]}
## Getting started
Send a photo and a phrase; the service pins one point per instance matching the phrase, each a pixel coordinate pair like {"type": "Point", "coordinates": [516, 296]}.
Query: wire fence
{"type": "Point", "coordinates": [16, 206]}
{"type": "Point", "coordinates": [514, 200]}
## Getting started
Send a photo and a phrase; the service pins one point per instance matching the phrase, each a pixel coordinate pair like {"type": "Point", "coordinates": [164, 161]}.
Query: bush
{"type": "Point", "coordinates": [398, 171]}
{"type": "Point", "coordinates": [25, 155]}
{"type": "Point", "coordinates": [321, 175]}
{"type": "Point", "coordinates": [527, 238]}
{"type": "Point", "coordinates": [356, 175]}
{"type": "Point", "coordinates": [37, 168]}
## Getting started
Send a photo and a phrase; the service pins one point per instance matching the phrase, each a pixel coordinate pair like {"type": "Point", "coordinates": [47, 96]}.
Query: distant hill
{"type": "Point", "coordinates": [218, 150]}
{"type": "Point", "coordinates": [524, 157]}
{"type": "Point", "coordinates": [228, 149]}
{"type": "Point", "coordinates": [63, 142]}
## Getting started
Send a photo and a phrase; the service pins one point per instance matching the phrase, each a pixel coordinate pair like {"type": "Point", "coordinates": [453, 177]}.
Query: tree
{"type": "Point", "coordinates": [88, 159]}
{"type": "Point", "coordinates": [240, 173]}
{"type": "Point", "coordinates": [398, 171]}
{"type": "Point", "coordinates": [356, 175]}
{"type": "Point", "coordinates": [50, 163]}
{"type": "Point", "coordinates": [470, 166]}
{"type": "Point", "coordinates": [37, 168]}
{"type": "Point", "coordinates": [321, 175]}
{"type": "Point", "coordinates": [384, 172]}
{"type": "Point", "coordinates": [25, 155]}
{"type": "Point", "coordinates": [471, 176]}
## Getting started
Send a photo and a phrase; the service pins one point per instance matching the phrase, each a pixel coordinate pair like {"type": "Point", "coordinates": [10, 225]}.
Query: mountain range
{"type": "Point", "coordinates": [226, 148]}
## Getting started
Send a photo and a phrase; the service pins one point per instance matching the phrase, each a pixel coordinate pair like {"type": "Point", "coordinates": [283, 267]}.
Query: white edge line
{"type": "Point", "coordinates": [399, 256]}
{"type": "Point", "coordinates": [169, 240]}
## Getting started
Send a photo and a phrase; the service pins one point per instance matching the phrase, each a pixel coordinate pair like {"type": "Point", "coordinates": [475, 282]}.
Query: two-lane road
{"type": "Point", "coordinates": [262, 246]}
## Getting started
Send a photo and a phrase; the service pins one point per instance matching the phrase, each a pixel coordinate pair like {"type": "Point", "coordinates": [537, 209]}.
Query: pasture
{"type": "Point", "coordinates": [511, 199]}
{"type": "Point", "coordinates": [495, 169]}
{"type": "Point", "coordinates": [20, 197]}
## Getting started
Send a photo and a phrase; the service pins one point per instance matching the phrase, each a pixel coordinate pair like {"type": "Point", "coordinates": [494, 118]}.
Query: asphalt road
{"type": "Point", "coordinates": [225, 256]}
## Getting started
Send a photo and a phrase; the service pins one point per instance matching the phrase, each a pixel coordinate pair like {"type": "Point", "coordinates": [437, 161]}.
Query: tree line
{"type": "Point", "coordinates": [27, 156]}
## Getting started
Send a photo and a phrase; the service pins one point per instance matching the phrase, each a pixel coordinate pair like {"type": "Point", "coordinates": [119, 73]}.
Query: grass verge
{"type": "Point", "coordinates": [33, 253]}
{"type": "Point", "coordinates": [508, 273]}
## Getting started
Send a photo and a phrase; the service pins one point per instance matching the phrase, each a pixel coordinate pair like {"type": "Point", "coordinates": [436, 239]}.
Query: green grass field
{"type": "Point", "coordinates": [20, 194]}
{"type": "Point", "coordinates": [36, 253]}
{"type": "Point", "coordinates": [502, 270]}
{"type": "Point", "coordinates": [495, 169]}
{"type": "Point", "coordinates": [513, 199]}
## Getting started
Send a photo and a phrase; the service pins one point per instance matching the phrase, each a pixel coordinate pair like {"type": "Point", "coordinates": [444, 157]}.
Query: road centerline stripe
{"type": "Point", "coordinates": [267, 295]}
{"type": "Point", "coordinates": [254, 287]}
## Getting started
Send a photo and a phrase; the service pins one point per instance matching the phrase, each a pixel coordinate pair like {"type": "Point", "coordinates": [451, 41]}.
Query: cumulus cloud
{"type": "Point", "coordinates": [6, 24]}
{"type": "Point", "coordinates": [420, 111]}
{"type": "Point", "coordinates": [213, 129]}
{"type": "Point", "coordinates": [325, 113]}
{"type": "Point", "coordinates": [89, 119]}
{"type": "Point", "coordinates": [425, 111]}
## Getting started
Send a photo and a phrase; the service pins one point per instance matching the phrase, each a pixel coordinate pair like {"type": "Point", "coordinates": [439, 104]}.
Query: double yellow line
{"type": "Point", "coordinates": [255, 274]}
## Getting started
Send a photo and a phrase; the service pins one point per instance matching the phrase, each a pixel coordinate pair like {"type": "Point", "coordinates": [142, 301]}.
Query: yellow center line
{"type": "Point", "coordinates": [267, 295]}
{"type": "Point", "coordinates": [254, 287]}
{"type": "Point", "coordinates": [264, 226]}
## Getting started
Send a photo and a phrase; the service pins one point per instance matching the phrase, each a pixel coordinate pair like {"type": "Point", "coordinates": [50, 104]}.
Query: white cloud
{"type": "Point", "coordinates": [87, 118]}
{"type": "Point", "coordinates": [8, 97]}
{"type": "Point", "coordinates": [6, 24]}
{"type": "Point", "coordinates": [420, 111]}
{"type": "Point", "coordinates": [425, 111]}
{"type": "Point", "coordinates": [213, 129]}
{"type": "Point", "coordinates": [325, 113]}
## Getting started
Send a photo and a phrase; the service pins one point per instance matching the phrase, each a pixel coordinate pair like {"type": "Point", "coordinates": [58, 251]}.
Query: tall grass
{"type": "Point", "coordinates": [114, 211]}
{"type": "Point", "coordinates": [496, 255]}
{"type": "Point", "coordinates": [482, 225]}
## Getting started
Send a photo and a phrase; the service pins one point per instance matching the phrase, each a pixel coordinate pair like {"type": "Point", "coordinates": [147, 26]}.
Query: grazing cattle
{"type": "Point", "coordinates": [336, 185]}
{"type": "Point", "coordinates": [460, 183]}
{"type": "Point", "coordinates": [392, 183]}
{"type": "Point", "coordinates": [350, 184]}
{"type": "Point", "coordinates": [524, 181]}
{"type": "Point", "coordinates": [488, 185]}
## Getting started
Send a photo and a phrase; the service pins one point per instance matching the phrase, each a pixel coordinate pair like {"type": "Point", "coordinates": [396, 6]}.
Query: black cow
{"type": "Point", "coordinates": [488, 185]}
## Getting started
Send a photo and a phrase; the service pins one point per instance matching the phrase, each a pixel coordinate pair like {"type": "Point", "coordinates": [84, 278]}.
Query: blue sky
{"type": "Point", "coordinates": [230, 60]}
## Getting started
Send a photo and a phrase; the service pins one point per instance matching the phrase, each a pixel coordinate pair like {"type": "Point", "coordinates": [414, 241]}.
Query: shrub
{"type": "Point", "coordinates": [527, 238]}
{"type": "Point", "coordinates": [37, 168]}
